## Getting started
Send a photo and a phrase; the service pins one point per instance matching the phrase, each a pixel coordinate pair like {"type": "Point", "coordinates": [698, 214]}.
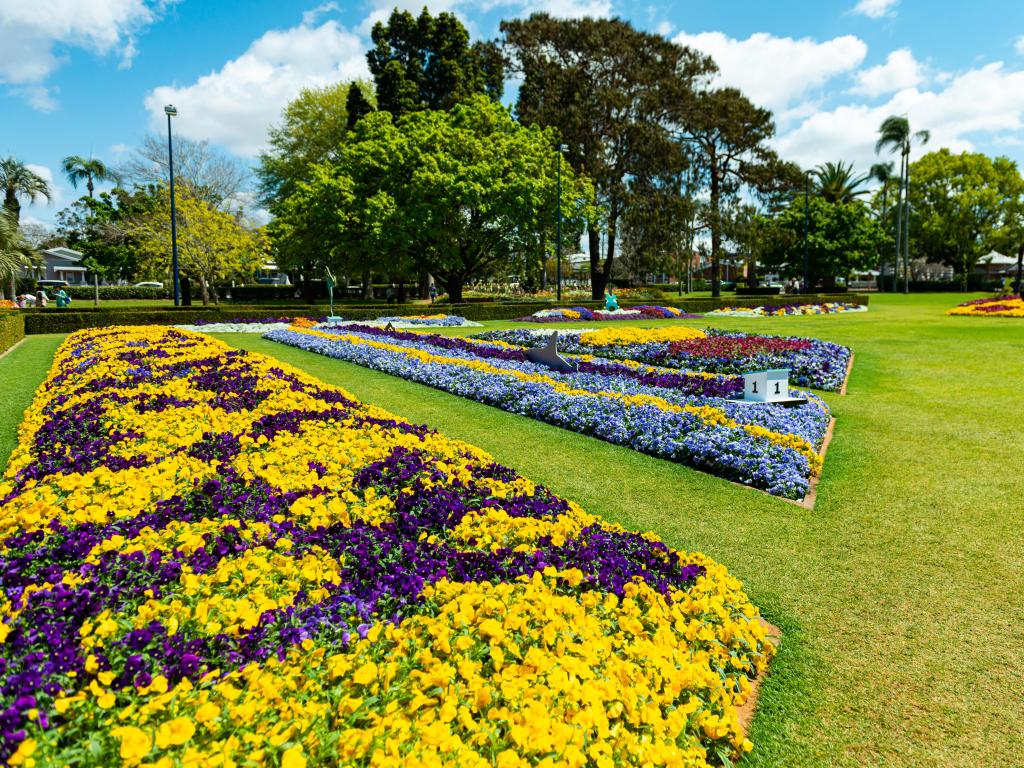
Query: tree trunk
{"type": "Point", "coordinates": [596, 278]}
{"type": "Point", "coordinates": [401, 290]}
{"type": "Point", "coordinates": [1020, 270]}
{"type": "Point", "coordinates": [899, 230]}
{"type": "Point", "coordinates": [88, 186]}
{"type": "Point", "coordinates": [716, 234]}
{"type": "Point", "coordinates": [453, 284]}
{"type": "Point", "coordinates": [12, 205]}
{"type": "Point", "coordinates": [881, 253]}
{"type": "Point", "coordinates": [205, 291]}
{"type": "Point", "coordinates": [906, 227]}
{"type": "Point", "coordinates": [424, 284]}
{"type": "Point", "coordinates": [367, 292]}
{"type": "Point", "coordinates": [308, 289]}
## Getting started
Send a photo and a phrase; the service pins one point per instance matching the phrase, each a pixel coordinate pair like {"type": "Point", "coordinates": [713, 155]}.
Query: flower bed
{"type": "Point", "coordinates": [830, 308]}
{"type": "Point", "coordinates": [582, 314]}
{"type": "Point", "coordinates": [1004, 306]}
{"type": "Point", "coordinates": [443, 321]}
{"type": "Point", "coordinates": [811, 362]}
{"type": "Point", "coordinates": [210, 558]}
{"type": "Point", "coordinates": [682, 417]}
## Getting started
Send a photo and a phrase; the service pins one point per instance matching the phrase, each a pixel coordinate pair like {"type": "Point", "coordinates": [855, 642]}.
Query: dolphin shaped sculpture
{"type": "Point", "coordinates": [548, 355]}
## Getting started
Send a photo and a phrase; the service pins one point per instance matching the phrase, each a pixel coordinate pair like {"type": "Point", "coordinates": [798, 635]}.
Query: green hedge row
{"type": "Point", "coordinates": [111, 292]}
{"type": "Point", "coordinates": [66, 320]}
{"type": "Point", "coordinates": [12, 329]}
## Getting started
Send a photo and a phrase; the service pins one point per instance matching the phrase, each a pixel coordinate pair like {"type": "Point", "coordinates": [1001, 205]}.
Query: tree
{"type": "Point", "coordinates": [882, 173]}
{"type": "Point", "coordinates": [91, 169]}
{"type": "Point", "coordinates": [357, 105]}
{"type": "Point", "coordinates": [18, 180]}
{"type": "Point", "coordinates": [842, 238]}
{"type": "Point", "coordinates": [15, 253]}
{"type": "Point", "coordinates": [212, 244]}
{"type": "Point", "coordinates": [895, 134]}
{"type": "Point", "coordinates": [729, 138]}
{"type": "Point", "coordinates": [428, 63]}
{"type": "Point", "coordinates": [837, 183]}
{"type": "Point", "coordinates": [610, 91]}
{"type": "Point", "coordinates": [101, 229]}
{"type": "Point", "coordinates": [200, 171]}
{"type": "Point", "coordinates": [966, 204]}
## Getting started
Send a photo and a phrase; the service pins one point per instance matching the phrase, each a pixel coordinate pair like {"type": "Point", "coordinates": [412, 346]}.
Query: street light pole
{"type": "Point", "coordinates": [558, 227]}
{"type": "Point", "coordinates": [171, 111]}
{"type": "Point", "coordinates": [807, 227]}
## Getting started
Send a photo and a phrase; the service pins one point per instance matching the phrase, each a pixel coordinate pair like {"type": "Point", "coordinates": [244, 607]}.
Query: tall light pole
{"type": "Point", "coordinates": [558, 227]}
{"type": "Point", "coordinates": [807, 227]}
{"type": "Point", "coordinates": [172, 111]}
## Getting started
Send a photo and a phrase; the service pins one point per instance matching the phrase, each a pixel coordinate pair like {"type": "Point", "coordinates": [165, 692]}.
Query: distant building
{"type": "Point", "coordinates": [995, 264]}
{"type": "Point", "coordinates": [59, 264]}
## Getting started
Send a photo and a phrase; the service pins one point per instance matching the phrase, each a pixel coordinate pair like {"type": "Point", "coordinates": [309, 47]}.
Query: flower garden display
{"type": "Point", "coordinates": [442, 321]}
{"type": "Point", "coordinates": [829, 308]}
{"type": "Point", "coordinates": [1004, 306]}
{"type": "Point", "coordinates": [675, 415]}
{"type": "Point", "coordinates": [211, 558]}
{"type": "Point", "coordinates": [812, 362]}
{"type": "Point", "coordinates": [582, 314]}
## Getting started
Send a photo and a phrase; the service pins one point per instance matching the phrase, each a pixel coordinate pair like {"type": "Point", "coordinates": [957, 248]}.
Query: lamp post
{"type": "Point", "coordinates": [807, 227]}
{"type": "Point", "coordinates": [558, 227]}
{"type": "Point", "coordinates": [172, 111]}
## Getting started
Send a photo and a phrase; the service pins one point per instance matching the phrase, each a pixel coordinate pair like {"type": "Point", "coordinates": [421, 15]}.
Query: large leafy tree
{"type": "Point", "coordinates": [100, 228]}
{"type": "Point", "coordinates": [842, 238]}
{"type": "Point", "coordinates": [610, 92]}
{"type": "Point", "coordinates": [427, 62]}
{"type": "Point", "coordinates": [964, 205]}
{"type": "Point", "coordinates": [213, 244]}
{"type": "Point", "coordinates": [18, 180]}
{"type": "Point", "coordinates": [87, 169]}
{"type": "Point", "coordinates": [896, 136]}
{"type": "Point", "coordinates": [728, 140]}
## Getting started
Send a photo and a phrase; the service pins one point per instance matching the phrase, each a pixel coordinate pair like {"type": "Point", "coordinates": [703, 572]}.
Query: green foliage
{"type": "Point", "coordinates": [212, 244]}
{"type": "Point", "coordinates": [357, 105]}
{"type": "Point", "coordinates": [101, 229]}
{"type": "Point", "coordinates": [609, 90]}
{"type": "Point", "coordinates": [12, 329]}
{"type": "Point", "coordinates": [15, 252]}
{"type": "Point", "coordinates": [964, 206]}
{"type": "Point", "coordinates": [89, 170]}
{"type": "Point", "coordinates": [18, 180]}
{"type": "Point", "coordinates": [115, 292]}
{"type": "Point", "coordinates": [843, 238]}
{"type": "Point", "coordinates": [837, 183]}
{"type": "Point", "coordinates": [427, 62]}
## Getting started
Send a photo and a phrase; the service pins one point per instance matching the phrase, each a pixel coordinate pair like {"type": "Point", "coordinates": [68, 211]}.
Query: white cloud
{"type": "Point", "coordinates": [774, 71]}
{"type": "Point", "coordinates": [38, 96]}
{"type": "Point", "coordinates": [1018, 44]}
{"type": "Point", "coordinates": [234, 105]}
{"type": "Point", "coordinates": [875, 9]}
{"type": "Point", "coordinates": [976, 105]}
{"type": "Point", "coordinates": [30, 30]}
{"type": "Point", "coordinates": [901, 70]}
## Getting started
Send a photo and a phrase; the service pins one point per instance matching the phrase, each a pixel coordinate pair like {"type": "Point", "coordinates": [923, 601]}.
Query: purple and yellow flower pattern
{"type": "Point", "coordinates": [210, 558]}
{"type": "Point", "coordinates": [682, 416]}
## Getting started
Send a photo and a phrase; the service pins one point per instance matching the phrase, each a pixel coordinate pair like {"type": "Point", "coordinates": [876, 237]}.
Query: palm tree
{"type": "Point", "coordinates": [15, 251]}
{"type": "Point", "coordinates": [895, 135]}
{"type": "Point", "coordinates": [77, 168]}
{"type": "Point", "coordinates": [17, 179]}
{"type": "Point", "coordinates": [837, 182]}
{"type": "Point", "coordinates": [882, 173]}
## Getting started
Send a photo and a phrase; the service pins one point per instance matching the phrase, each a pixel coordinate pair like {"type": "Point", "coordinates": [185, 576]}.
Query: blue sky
{"type": "Point", "coordinates": [82, 77]}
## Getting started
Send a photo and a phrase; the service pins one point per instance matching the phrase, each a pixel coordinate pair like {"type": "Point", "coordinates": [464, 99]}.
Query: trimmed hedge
{"type": "Point", "coordinates": [112, 292]}
{"type": "Point", "coordinates": [762, 290]}
{"type": "Point", "coordinates": [12, 329]}
{"type": "Point", "coordinates": [66, 320]}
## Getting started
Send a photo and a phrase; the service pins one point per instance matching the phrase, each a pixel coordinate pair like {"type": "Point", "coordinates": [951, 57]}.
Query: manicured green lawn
{"type": "Point", "coordinates": [900, 595]}
{"type": "Point", "coordinates": [22, 370]}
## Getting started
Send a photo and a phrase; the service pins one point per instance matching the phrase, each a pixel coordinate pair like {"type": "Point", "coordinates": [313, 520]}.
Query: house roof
{"type": "Point", "coordinates": [995, 257]}
{"type": "Point", "coordinates": [61, 252]}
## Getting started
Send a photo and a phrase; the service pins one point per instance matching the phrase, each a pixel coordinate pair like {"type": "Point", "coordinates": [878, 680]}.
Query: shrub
{"type": "Point", "coordinates": [12, 329]}
{"type": "Point", "coordinates": [113, 292]}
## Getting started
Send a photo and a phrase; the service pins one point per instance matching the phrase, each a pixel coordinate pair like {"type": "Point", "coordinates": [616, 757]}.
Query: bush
{"type": "Point", "coordinates": [974, 283]}
{"type": "Point", "coordinates": [761, 290]}
{"type": "Point", "coordinates": [12, 329]}
{"type": "Point", "coordinates": [113, 292]}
